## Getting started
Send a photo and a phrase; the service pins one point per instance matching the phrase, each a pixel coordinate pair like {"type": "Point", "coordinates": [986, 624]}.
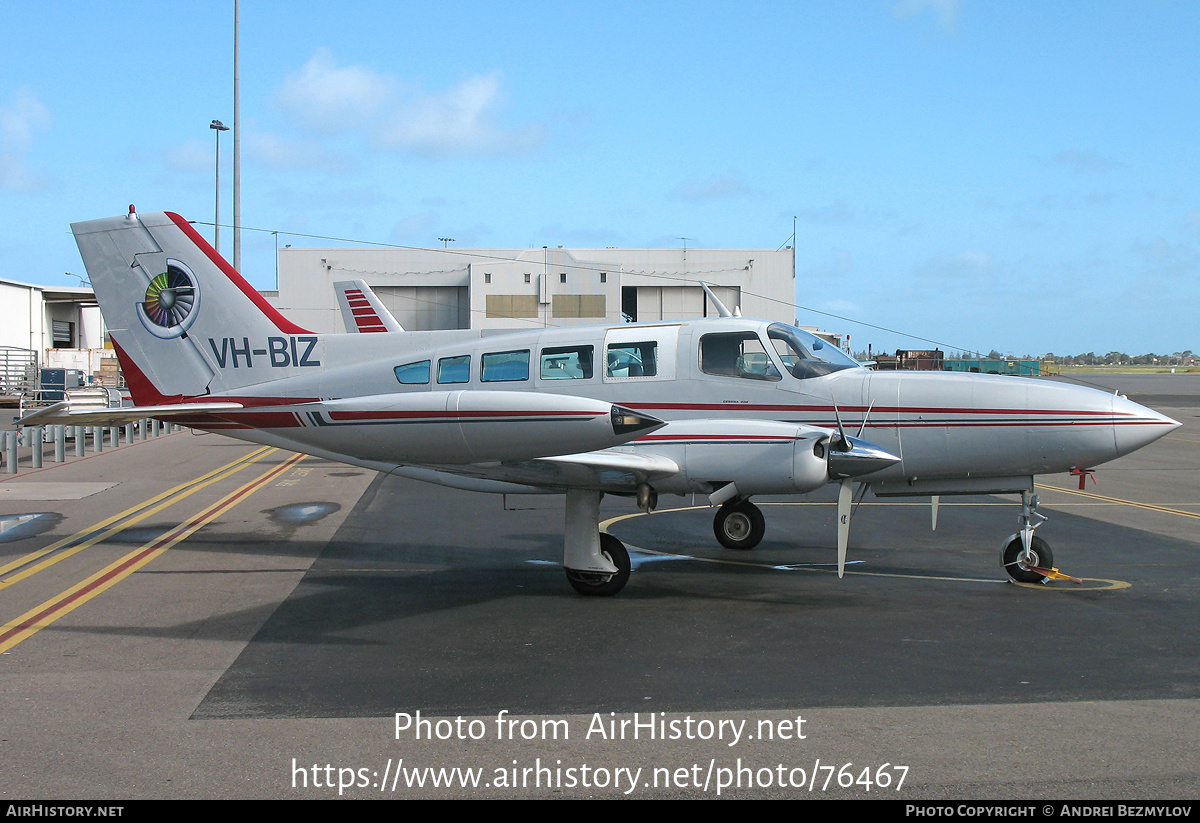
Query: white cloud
{"type": "Point", "coordinates": [1085, 162]}
{"type": "Point", "coordinates": [715, 188]}
{"type": "Point", "coordinates": [20, 121]}
{"type": "Point", "coordinates": [280, 153]}
{"type": "Point", "coordinates": [194, 155]}
{"type": "Point", "coordinates": [419, 229]}
{"type": "Point", "coordinates": [1159, 258]}
{"type": "Point", "coordinates": [946, 11]}
{"type": "Point", "coordinates": [834, 213]}
{"type": "Point", "coordinates": [461, 120]}
{"type": "Point", "coordinates": [334, 98]}
{"type": "Point", "coordinates": [964, 272]}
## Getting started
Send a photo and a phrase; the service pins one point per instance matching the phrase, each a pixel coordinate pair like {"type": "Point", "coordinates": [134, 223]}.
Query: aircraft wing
{"type": "Point", "coordinates": [614, 468]}
{"type": "Point", "coordinates": [608, 470]}
{"type": "Point", "coordinates": [62, 413]}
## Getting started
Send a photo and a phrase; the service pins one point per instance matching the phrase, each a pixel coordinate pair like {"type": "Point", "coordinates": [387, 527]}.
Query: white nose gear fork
{"type": "Point", "coordinates": [1026, 557]}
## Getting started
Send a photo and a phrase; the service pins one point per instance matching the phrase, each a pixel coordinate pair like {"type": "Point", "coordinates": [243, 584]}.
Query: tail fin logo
{"type": "Point", "coordinates": [172, 302]}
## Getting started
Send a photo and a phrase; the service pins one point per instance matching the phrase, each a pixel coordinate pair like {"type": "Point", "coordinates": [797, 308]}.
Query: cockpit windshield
{"type": "Point", "coordinates": [806, 355]}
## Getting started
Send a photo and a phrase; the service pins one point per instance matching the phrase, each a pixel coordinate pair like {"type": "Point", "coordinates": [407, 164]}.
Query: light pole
{"type": "Point", "coordinates": [446, 241]}
{"type": "Point", "coordinates": [218, 127]}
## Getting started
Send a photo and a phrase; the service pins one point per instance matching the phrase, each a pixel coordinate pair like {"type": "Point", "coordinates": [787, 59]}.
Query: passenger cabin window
{"type": "Point", "coordinates": [454, 369]}
{"type": "Point", "coordinates": [632, 359]}
{"type": "Point", "coordinates": [736, 354]}
{"type": "Point", "coordinates": [566, 363]}
{"type": "Point", "coordinates": [504, 366]}
{"type": "Point", "coordinates": [412, 374]}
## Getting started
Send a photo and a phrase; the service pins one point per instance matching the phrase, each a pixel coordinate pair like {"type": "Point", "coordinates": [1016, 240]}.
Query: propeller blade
{"type": "Point", "coordinates": [845, 493]}
{"type": "Point", "coordinates": [843, 443]}
{"type": "Point", "coordinates": [863, 427]}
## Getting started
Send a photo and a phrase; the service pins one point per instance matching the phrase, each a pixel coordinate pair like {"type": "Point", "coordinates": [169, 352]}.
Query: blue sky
{"type": "Point", "coordinates": [1019, 176]}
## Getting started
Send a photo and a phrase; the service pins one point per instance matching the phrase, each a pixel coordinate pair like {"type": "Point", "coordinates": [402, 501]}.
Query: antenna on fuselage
{"type": "Point", "coordinates": [721, 310]}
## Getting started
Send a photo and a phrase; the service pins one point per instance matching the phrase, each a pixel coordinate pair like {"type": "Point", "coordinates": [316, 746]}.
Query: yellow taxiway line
{"type": "Point", "coordinates": [47, 613]}
{"type": "Point", "coordinates": [98, 532]}
{"type": "Point", "coordinates": [1119, 501]}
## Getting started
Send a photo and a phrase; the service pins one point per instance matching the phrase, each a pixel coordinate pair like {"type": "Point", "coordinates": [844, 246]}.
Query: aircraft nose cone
{"type": "Point", "coordinates": [1137, 426]}
{"type": "Point", "coordinates": [861, 458]}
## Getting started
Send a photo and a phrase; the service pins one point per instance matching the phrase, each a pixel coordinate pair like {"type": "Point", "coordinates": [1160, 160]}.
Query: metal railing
{"type": "Point", "coordinates": [18, 371]}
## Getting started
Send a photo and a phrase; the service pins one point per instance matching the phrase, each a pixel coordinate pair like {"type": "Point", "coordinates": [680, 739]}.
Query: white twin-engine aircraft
{"type": "Point", "coordinates": [727, 407]}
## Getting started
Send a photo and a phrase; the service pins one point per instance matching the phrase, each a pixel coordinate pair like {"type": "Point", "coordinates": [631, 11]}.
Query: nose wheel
{"type": "Point", "coordinates": [739, 525]}
{"type": "Point", "coordinates": [1026, 558]}
{"type": "Point", "coordinates": [1031, 566]}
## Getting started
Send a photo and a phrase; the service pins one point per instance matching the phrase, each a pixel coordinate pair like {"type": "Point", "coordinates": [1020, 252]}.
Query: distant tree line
{"type": "Point", "coordinates": [1112, 358]}
{"type": "Point", "coordinates": [1117, 358]}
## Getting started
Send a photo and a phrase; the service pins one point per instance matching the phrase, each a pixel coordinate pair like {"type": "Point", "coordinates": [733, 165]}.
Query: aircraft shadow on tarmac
{"type": "Point", "coordinates": [409, 607]}
{"type": "Point", "coordinates": [378, 627]}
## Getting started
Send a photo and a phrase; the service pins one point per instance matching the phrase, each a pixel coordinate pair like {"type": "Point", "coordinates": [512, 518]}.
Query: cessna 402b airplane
{"type": "Point", "coordinates": [727, 407]}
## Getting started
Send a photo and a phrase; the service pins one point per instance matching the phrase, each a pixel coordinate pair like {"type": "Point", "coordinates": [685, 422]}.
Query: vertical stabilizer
{"type": "Point", "coordinates": [361, 309]}
{"type": "Point", "coordinates": [183, 322]}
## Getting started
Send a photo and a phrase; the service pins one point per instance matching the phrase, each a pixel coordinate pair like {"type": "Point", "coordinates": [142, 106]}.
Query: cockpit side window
{"type": "Point", "coordinates": [736, 354]}
{"type": "Point", "coordinates": [806, 355]}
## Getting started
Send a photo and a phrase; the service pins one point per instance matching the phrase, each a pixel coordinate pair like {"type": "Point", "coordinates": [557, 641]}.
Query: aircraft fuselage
{"type": "Point", "coordinates": [941, 425]}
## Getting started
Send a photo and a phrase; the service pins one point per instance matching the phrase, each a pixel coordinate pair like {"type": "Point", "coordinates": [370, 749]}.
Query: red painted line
{"type": "Point", "coordinates": [455, 415]}
{"type": "Point", "coordinates": [719, 437]}
{"type": "Point", "coordinates": [853, 409]}
{"type": "Point", "coordinates": [272, 314]}
{"type": "Point", "coordinates": [212, 511]}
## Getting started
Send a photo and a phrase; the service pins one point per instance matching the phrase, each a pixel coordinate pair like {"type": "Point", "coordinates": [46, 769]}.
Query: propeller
{"type": "Point", "coordinates": [845, 493]}
{"type": "Point", "coordinates": [848, 458]}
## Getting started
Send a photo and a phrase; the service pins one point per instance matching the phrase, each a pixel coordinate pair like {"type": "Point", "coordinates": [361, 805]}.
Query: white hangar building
{"type": "Point", "coordinates": [56, 327]}
{"type": "Point", "coordinates": [427, 289]}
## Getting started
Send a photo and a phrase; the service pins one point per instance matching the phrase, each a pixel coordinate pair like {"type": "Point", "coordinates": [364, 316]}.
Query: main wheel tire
{"type": "Point", "coordinates": [1020, 570]}
{"type": "Point", "coordinates": [594, 584]}
{"type": "Point", "coordinates": [739, 526]}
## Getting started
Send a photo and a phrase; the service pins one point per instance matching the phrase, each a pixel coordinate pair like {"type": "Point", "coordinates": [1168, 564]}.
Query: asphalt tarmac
{"type": "Point", "coordinates": [255, 627]}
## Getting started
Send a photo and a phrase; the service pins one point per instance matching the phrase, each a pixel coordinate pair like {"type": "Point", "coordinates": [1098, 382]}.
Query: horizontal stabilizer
{"type": "Point", "coordinates": [62, 413]}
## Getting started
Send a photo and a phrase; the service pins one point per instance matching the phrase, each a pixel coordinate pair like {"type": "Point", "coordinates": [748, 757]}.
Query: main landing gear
{"type": "Point", "coordinates": [739, 524]}
{"type": "Point", "coordinates": [597, 565]}
{"type": "Point", "coordinates": [600, 584]}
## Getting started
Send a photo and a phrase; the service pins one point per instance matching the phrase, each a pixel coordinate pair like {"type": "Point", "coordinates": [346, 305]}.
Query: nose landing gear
{"type": "Point", "coordinates": [1027, 558]}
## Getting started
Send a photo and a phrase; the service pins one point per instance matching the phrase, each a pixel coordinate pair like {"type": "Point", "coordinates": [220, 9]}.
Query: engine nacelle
{"type": "Point", "coordinates": [758, 456]}
{"type": "Point", "coordinates": [459, 426]}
